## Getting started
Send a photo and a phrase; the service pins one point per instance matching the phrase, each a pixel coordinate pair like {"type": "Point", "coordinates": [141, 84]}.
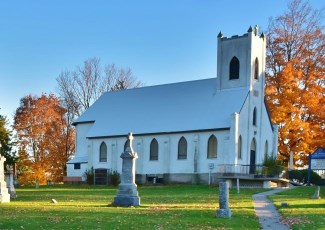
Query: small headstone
{"type": "Point", "coordinates": [127, 195]}
{"type": "Point", "coordinates": [316, 194]}
{"type": "Point", "coordinates": [54, 201]}
{"type": "Point", "coordinates": [284, 205]}
{"type": "Point", "coordinates": [224, 210]}
{"type": "Point", "coordinates": [4, 195]}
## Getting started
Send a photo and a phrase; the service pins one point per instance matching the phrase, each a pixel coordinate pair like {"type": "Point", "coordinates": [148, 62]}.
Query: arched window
{"type": "Point", "coordinates": [266, 149]}
{"type": "Point", "coordinates": [254, 116]}
{"type": "Point", "coordinates": [126, 145]}
{"type": "Point", "coordinates": [256, 69]}
{"type": "Point", "coordinates": [154, 150]}
{"type": "Point", "coordinates": [182, 149]}
{"type": "Point", "coordinates": [239, 147]}
{"type": "Point", "coordinates": [234, 69]}
{"type": "Point", "coordinates": [103, 152]}
{"type": "Point", "coordinates": [212, 147]}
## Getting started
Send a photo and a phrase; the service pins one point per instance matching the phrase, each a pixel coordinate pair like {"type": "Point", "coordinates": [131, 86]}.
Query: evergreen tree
{"type": "Point", "coordinates": [6, 142]}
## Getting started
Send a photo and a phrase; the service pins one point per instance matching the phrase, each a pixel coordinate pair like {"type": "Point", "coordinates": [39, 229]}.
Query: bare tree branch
{"type": "Point", "coordinates": [80, 88]}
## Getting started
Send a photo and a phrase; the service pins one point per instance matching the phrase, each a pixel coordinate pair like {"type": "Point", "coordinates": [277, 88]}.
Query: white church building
{"type": "Point", "coordinates": [184, 132]}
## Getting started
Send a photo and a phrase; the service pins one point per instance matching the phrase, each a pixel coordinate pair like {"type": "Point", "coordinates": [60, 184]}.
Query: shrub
{"type": "Point", "coordinates": [115, 178]}
{"type": "Point", "coordinates": [272, 166]}
{"type": "Point", "coordinates": [301, 176]}
{"type": "Point", "coordinates": [89, 174]}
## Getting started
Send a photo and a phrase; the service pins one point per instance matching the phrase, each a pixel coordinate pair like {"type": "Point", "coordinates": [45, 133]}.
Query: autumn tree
{"type": "Point", "coordinates": [44, 137]}
{"type": "Point", "coordinates": [295, 80]}
{"type": "Point", "coordinates": [79, 88]}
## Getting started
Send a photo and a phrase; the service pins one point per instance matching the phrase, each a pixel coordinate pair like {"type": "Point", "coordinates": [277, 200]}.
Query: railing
{"type": "Point", "coordinates": [254, 171]}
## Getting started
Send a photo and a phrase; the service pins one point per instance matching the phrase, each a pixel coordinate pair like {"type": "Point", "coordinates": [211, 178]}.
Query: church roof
{"type": "Point", "coordinates": [170, 108]}
{"type": "Point", "coordinates": [79, 159]}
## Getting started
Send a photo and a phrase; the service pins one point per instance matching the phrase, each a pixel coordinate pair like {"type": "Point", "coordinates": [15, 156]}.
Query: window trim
{"type": "Point", "coordinates": [214, 148]}
{"type": "Point", "coordinates": [266, 149]}
{"type": "Point", "coordinates": [103, 152]}
{"type": "Point", "coordinates": [256, 69]}
{"type": "Point", "coordinates": [240, 147]}
{"type": "Point", "coordinates": [182, 145]}
{"type": "Point", "coordinates": [154, 150]}
{"type": "Point", "coordinates": [234, 68]}
{"type": "Point", "coordinates": [77, 166]}
{"type": "Point", "coordinates": [254, 117]}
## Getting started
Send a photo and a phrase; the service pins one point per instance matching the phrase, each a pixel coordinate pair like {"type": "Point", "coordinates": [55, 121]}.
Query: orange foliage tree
{"type": "Point", "coordinates": [45, 139]}
{"type": "Point", "coordinates": [295, 80]}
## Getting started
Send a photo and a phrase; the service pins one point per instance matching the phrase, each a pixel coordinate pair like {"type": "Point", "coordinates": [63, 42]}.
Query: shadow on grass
{"type": "Point", "coordinates": [305, 206]}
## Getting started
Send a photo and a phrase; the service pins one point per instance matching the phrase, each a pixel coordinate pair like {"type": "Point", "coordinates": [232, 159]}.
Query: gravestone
{"type": "Point", "coordinates": [10, 182]}
{"type": "Point", "coordinates": [127, 194]}
{"type": "Point", "coordinates": [316, 194]}
{"type": "Point", "coordinates": [4, 195]}
{"type": "Point", "coordinates": [223, 211]}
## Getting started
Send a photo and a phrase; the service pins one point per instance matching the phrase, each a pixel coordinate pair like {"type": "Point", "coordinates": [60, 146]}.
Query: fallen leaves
{"type": "Point", "coordinates": [290, 221]}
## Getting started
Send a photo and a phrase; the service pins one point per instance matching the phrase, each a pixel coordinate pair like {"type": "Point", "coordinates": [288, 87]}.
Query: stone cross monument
{"type": "Point", "coordinates": [4, 195]}
{"type": "Point", "coordinates": [224, 210]}
{"type": "Point", "coordinates": [127, 194]}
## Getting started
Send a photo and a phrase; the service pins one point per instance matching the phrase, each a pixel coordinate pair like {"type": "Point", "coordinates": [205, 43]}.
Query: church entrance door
{"type": "Point", "coordinates": [252, 162]}
{"type": "Point", "coordinates": [101, 176]}
{"type": "Point", "coordinates": [252, 158]}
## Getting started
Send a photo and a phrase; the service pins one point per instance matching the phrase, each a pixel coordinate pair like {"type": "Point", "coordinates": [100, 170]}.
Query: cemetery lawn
{"type": "Point", "coordinates": [302, 211]}
{"type": "Point", "coordinates": [162, 207]}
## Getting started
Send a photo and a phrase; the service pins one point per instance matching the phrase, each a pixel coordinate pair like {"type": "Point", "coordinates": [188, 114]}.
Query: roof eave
{"type": "Point", "coordinates": [161, 133]}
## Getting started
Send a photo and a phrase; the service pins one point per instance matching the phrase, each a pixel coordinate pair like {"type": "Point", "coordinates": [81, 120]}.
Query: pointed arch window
{"type": "Point", "coordinates": [254, 116]}
{"type": "Point", "coordinates": [182, 149]}
{"type": "Point", "coordinates": [154, 150]}
{"type": "Point", "coordinates": [266, 149]}
{"type": "Point", "coordinates": [234, 69]}
{"type": "Point", "coordinates": [212, 147]}
{"type": "Point", "coordinates": [256, 69]}
{"type": "Point", "coordinates": [103, 152]}
{"type": "Point", "coordinates": [239, 147]}
{"type": "Point", "coordinates": [126, 145]}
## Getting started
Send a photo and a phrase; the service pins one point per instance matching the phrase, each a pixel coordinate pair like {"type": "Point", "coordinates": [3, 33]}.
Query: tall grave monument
{"type": "Point", "coordinates": [4, 195]}
{"type": "Point", "coordinates": [224, 210]}
{"type": "Point", "coordinates": [10, 182]}
{"type": "Point", "coordinates": [127, 194]}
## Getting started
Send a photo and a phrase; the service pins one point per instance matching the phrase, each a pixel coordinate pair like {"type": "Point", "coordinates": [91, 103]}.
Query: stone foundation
{"type": "Point", "coordinates": [176, 178]}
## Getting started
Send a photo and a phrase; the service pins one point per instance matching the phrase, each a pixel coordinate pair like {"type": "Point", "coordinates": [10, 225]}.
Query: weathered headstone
{"type": "Point", "coordinates": [127, 194]}
{"type": "Point", "coordinates": [10, 182]}
{"type": "Point", "coordinates": [284, 205]}
{"type": "Point", "coordinates": [223, 211]}
{"type": "Point", "coordinates": [4, 195]}
{"type": "Point", "coordinates": [316, 194]}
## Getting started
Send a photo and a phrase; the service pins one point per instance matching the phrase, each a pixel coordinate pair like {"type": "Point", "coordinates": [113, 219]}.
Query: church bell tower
{"type": "Point", "coordinates": [241, 61]}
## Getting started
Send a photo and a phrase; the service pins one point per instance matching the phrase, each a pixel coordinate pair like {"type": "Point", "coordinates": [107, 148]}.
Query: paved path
{"type": "Point", "coordinates": [268, 216]}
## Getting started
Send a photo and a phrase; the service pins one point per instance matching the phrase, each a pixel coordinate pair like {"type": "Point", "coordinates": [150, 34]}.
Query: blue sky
{"type": "Point", "coordinates": [161, 41]}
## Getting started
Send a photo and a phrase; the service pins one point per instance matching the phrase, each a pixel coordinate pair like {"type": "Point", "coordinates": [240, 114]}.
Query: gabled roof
{"type": "Point", "coordinates": [80, 159]}
{"type": "Point", "coordinates": [177, 107]}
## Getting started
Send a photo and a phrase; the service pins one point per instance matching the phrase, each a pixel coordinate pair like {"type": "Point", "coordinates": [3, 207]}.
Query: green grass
{"type": "Point", "coordinates": [162, 207]}
{"type": "Point", "coordinates": [302, 211]}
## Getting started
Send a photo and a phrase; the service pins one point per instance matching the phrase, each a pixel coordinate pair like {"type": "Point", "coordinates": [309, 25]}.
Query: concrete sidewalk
{"type": "Point", "coordinates": [268, 216]}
